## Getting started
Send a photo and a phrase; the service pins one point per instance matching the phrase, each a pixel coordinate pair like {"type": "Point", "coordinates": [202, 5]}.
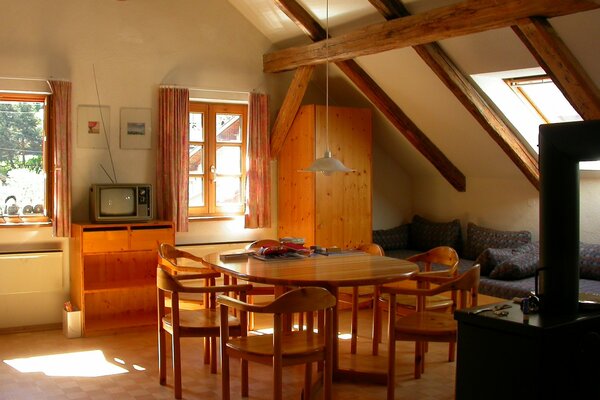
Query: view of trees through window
{"type": "Point", "coordinates": [22, 175]}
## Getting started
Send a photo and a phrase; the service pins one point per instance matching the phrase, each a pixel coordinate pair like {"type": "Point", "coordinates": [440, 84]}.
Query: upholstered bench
{"type": "Point", "coordinates": [508, 259]}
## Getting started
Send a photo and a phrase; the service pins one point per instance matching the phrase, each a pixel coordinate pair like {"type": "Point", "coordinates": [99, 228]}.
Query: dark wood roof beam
{"type": "Point", "coordinates": [469, 96]}
{"type": "Point", "coordinates": [441, 23]}
{"type": "Point", "coordinates": [376, 95]}
{"type": "Point", "coordinates": [289, 108]}
{"type": "Point", "coordinates": [561, 65]}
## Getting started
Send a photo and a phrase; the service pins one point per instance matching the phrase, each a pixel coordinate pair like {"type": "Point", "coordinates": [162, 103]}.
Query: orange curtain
{"type": "Point", "coordinates": [258, 199]}
{"type": "Point", "coordinates": [173, 156]}
{"type": "Point", "coordinates": [59, 108]}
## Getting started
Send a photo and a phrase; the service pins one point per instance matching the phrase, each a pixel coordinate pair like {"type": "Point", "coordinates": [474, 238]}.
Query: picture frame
{"type": "Point", "coordinates": [136, 128]}
{"type": "Point", "coordinates": [93, 126]}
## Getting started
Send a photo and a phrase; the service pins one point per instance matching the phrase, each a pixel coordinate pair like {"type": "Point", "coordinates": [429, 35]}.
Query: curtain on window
{"type": "Point", "coordinates": [258, 209]}
{"type": "Point", "coordinates": [173, 156]}
{"type": "Point", "coordinates": [59, 105]}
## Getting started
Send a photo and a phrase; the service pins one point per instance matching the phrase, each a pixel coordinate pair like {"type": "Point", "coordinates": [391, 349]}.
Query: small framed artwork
{"type": "Point", "coordinates": [93, 124]}
{"type": "Point", "coordinates": [136, 128]}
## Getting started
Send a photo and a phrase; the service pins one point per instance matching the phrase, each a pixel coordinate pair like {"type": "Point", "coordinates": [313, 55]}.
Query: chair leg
{"type": "Point", "coordinates": [225, 395]}
{"type": "Point", "coordinates": [277, 382]}
{"type": "Point", "coordinates": [451, 351]}
{"type": "Point", "coordinates": [391, 378]}
{"type": "Point", "coordinates": [307, 381]}
{"type": "Point", "coordinates": [213, 355]}
{"type": "Point", "coordinates": [418, 359]}
{"type": "Point", "coordinates": [376, 325]}
{"type": "Point", "coordinates": [206, 351]}
{"type": "Point", "coordinates": [354, 321]}
{"type": "Point", "coordinates": [245, 389]}
{"type": "Point", "coordinates": [162, 359]}
{"type": "Point", "coordinates": [176, 355]}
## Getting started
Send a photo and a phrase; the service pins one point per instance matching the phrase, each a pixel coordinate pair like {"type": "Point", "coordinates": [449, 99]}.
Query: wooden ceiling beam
{"type": "Point", "coordinates": [469, 96]}
{"type": "Point", "coordinates": [404, 124]}
{"type": "Point", "coordinates": [560, 64]}
{"type": "Point", "coordinates": [289, 108]}
{"type": "Point", "coordinates": [460, 19]}
{"type": "Point", "coordinates": [375, 94]}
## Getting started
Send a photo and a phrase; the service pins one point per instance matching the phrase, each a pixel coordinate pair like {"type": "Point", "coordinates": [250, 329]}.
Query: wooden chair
{"type": "Point", "coordinates": [405, 303]}
{"type": "Point", "coordinates": [191, 323]}
{"type": "Point", "coordinates": [427, 326]}
{"type": "Point", "coordinates": [283, 347]}
{"type": "Point", "coordinates": [260, 289]}
{"type": "Point", "coordinates": [359, 296]}
{"type": "Point", "coordinates": [189, 267]}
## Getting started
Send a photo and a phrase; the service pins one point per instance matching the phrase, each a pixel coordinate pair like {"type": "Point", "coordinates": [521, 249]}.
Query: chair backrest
{"type": "Point", "coordinates": [257, 244]}
{"type": "Point", "coordinates": [171, 253]}
{"type": "Point", "coordinates": [442, 255]}
{"type": "Point", "coordinates": [301, 300]}
{"type": "Point", "coordinates": [467, 286]}
{"type": "Point", "coordinates": [372, 248]}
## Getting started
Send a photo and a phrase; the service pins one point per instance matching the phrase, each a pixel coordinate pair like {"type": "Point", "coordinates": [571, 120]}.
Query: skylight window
{"type": "Point", "coordinates": [529, 98]}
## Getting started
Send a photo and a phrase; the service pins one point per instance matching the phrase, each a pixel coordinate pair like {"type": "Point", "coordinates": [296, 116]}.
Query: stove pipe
{"type": "Point", "coordinates": [562, 146]}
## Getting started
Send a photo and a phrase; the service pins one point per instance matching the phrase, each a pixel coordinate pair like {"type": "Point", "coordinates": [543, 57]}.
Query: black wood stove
{"type": "Point", "coordinates": [555, 353]}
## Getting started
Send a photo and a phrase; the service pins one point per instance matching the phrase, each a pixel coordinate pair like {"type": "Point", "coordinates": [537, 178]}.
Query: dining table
{"type": "Point", "coordinates": [343, 269]}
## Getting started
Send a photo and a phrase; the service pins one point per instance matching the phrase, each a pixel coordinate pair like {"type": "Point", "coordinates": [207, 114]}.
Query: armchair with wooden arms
{"type": "Point", "coordinates": [358, 296]}
{"type": "Point", "coordinates": [282, 348]}
{"type": "Point", "coordinates": [181, 323]}
{"type": "Point", "coordinates": [425, 326]}
{"type": "Point", "coordinates": [443, 256]}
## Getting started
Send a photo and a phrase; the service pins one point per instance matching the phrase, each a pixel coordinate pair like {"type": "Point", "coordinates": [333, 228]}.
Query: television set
{"type": "Point", "coordinates": [122, 202]}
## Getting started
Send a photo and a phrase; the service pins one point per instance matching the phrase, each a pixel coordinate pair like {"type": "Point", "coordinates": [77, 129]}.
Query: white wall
{"type": "Point", "coordinates": [134, 46]}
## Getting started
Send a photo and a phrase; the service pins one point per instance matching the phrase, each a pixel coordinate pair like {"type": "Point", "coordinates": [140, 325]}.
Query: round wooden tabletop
{"type": "Point", "coordinates": [346, 269]}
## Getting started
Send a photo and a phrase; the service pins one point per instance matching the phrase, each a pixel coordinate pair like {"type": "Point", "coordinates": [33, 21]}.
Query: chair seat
{"type": "Point", "coordinates": [426, 323]}
{"type": "Point", "coordinates": [432, 303]}
{"type": "Point", "coordinates": [199, 321]}
{"type": "Point", "coordinates": [292, 343]}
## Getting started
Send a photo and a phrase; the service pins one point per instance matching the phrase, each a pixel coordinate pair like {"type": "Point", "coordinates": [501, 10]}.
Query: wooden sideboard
{"type": "Point", "coordinates": [113, 273]}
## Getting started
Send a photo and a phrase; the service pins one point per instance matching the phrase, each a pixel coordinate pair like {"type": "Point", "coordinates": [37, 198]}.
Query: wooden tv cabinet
{"type": "Point", "coordinates": [113, 273]}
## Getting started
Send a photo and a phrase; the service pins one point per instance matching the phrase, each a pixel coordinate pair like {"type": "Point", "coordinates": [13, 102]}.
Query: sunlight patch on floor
{"type": "Point", "coordinates": [80, 364]}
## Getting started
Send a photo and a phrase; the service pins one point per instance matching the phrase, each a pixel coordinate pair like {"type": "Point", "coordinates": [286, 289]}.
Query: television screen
{"type": "Point", "coordinates": [117, 201]}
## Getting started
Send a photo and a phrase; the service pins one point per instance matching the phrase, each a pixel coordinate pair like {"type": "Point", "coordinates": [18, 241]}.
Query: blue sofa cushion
{"type": "Point", "coordinates": [425, 235]}
{"type": "Point", "coordinates": [490, 258]}
{"type": "Point", "coordinates": [522, 265]}
{"type": "Point", "coordinates": [394, 238]}
{"type": "Point", "coordinates": [480, 238]}
{"type": "Point", "coordinates": [589, 261]}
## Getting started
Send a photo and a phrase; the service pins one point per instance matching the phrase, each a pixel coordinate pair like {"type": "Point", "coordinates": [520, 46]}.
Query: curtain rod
{"type": "Point", "coordinates": [207, 90]}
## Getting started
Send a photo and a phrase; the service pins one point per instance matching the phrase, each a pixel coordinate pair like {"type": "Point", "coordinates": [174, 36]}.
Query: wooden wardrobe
{"type": "Point", "coordinates": [333, 210]}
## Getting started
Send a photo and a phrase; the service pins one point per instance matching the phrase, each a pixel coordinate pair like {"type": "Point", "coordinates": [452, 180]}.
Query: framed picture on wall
{"type": "Point", "coordinates": [93, 126]}
{"type": "Point", "coordinates": [136, 128]}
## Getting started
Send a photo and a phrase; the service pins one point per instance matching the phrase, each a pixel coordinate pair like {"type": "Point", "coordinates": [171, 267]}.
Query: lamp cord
{"type": "Point", "coordinates": [327, 77]}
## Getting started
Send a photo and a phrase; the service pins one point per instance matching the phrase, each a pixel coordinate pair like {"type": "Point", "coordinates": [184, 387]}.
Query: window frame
{"type": "Point", "coordinates": [47, 161]}
{"type": "Point", "coordinates": [210, 145]}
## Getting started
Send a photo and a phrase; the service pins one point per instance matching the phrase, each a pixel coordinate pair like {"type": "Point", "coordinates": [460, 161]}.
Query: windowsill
{"type": "Point", "coordinates": [7, 221]}
{"type": "Point", "coordinates": [213, 218]}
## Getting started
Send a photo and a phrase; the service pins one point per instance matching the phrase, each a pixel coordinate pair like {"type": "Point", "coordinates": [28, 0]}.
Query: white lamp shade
{"type": "Point", "coordinates": [327, 165]}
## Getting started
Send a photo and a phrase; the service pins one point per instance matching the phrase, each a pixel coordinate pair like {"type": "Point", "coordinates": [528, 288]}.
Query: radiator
{"type": "Point", "coordinates": [32, 288]}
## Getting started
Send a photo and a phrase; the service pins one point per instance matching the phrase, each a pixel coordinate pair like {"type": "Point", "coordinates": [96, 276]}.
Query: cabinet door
{"type": "Point", "coordinates": [296, 190]}
{"type": "Point", "coordinates": [343, 208]}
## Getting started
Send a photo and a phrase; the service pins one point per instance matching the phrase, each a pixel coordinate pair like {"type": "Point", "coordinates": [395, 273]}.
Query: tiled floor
{"type": "Point", "coordinates": [134, 355]}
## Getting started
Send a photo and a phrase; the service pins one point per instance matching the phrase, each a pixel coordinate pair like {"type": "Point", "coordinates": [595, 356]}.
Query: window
{"type": "Point", "coordinates": [217, 159]}
{"type": "Point", "coordinates": [529, 98]}
{"type": "Point", "coordinates": [544, 99]}
{"type": "Point", "coordinates": [24, 186]}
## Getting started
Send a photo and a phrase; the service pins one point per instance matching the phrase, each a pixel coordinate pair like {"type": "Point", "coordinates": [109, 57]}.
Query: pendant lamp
{"type": "Point", "coordinates": [327, 164]}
